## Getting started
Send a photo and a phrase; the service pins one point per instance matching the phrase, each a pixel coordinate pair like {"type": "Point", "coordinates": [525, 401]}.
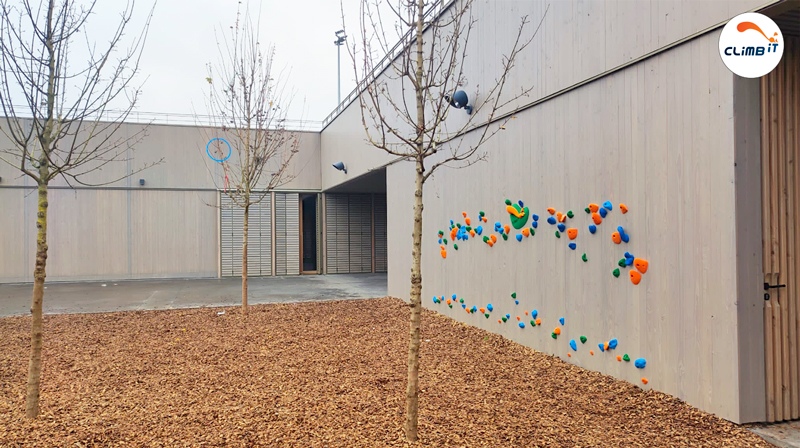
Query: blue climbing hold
{"type": "Point", "coordinates": [490, 307]}
{"type": "Point", "coordinates": [516, 302]}
{"type": "Point", "coordinates": [534, 313]}
{"type": "Point", "coordinates": [521, 325]}
{"type": "Point", "coordinates": [551, 220]}
{"type": "Point", "coordinates": [561, 321]}
{"type": "Point", "coordinates": [535, 217]}
{"type": "Point", "coordinates": [520, 203]}
{"type": "Point", "coordinates": [440, 241]}
{"type": "Point", "coordinates": [628, 261]}
{"type": "Point", "coordinates": [572, 246]}
{"type": "Point", "coordinates": [608, 205]}
{"type": "Point", "coordinates": [535, 225]}
{"type": "Point", "coordinates": [628, 255]}
{"type": "Point", "coordinates": [453, 297]}
{"type": "Point", "coordinates": [508, 316]}
{"type": "Point", "coordinates": [561, 227]}
{"type": "Point", "coordinates": [573, 345]}
{"type": "Point", "coordinates": [497, 225]}
{"type": "Point", "coordinates": [603, 212]}
{"type": "Point", "coordinates": [451, 222]}
{"type": "Point", "coordinates": [474, 308]}
{"type": "Point", "coordinates": [464, 305]}
{"type": "Point", "coordinates": [612, 344]}
{"type": "Point", "coordinates": [592, 228]}
{"type": "Point", "coordinates": [640, 363]}
{"type": "Point", "coordinates": [519, 237]}
{"type": "Point", "coordinates": [624, 236]}
{"type": "Point", "coordinates": [479, 230]}
{"type": "Point", "coordinates": [435, 300]}
{"type": "Point", "coordinates": [602, 348]}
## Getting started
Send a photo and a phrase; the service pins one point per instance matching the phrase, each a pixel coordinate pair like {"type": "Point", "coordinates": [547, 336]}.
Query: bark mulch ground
{"type": "Point", "coordinates": [329, 374]}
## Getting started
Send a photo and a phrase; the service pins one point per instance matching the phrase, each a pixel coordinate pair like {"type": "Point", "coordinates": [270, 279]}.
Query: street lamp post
{"type": "Point", "coordinates": [340, 38]}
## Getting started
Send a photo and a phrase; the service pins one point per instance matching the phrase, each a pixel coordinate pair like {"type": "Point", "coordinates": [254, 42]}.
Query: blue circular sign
{"type": "Point", "coordinates": [209, 152]}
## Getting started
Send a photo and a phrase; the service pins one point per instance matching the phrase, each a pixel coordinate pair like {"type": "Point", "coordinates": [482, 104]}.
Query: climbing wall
{"type": "Point", "coordinates": [780, 175]}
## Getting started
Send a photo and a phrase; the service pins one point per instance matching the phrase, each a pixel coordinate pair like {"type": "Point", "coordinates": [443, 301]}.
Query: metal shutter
{"type": "Point", "coordinates": [287, 234]}
{"type": "Point", "coordinates": [381, 236]}
{"type": "Point", "coordinates": [259, 238]}
{"type": "Point", "coordinates": [348, 233]}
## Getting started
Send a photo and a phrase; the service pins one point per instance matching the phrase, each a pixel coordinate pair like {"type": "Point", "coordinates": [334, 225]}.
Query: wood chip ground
{"type": "Point", "coordinates": [329, 374]}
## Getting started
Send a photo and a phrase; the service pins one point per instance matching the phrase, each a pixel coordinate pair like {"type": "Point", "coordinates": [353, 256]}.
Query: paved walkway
{"type": "Point", "coordinates": [784, 435]}
{"type": "Point", "coordinates": [100, 297]}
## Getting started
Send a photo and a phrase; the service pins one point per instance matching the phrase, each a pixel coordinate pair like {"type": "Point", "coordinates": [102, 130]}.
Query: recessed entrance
{"type": "Point", "coordinates": [308, 234]}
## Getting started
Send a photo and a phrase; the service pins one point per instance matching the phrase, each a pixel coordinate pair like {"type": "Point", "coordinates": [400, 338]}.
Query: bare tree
{"type": "Point", "coordinates": [252, 104]}
{"type": "Point", "coordinates": [58, 117]}
{"type": "Point", "coordinates": [405, 108]}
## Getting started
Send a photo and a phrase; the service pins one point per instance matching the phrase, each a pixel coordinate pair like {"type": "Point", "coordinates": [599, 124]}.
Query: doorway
{"type": "Point", "coordinates": [308, 234]}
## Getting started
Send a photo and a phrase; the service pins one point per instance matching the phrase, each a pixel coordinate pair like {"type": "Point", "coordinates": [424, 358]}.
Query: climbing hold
{"type": "Point", "coordinates": [640, 363]}
{"type": "Point", "coordinates": [507, 229]}
{"type": "Point", "coordinates": [557, 330]}
{"type": "Point", "coordinates": [615, 238]}
{"type": "Point", "coordinates": [441, 233]}
{"type": "Point", "coordinates": [508, 316]}
{"type": "Point", "coordinates": [534, 313]}
{"type": "Point", "coordinates": [474, 308]}
{"type": "Point", "coordinates": [558, 235]}
{"type": "Point", "coordinates": [554, 336]}
{"type": "Point", "coordinates": [516, 302]}
{"type": "Point", "coordinates": [591, 352]}
{"type": "Point", "coordinates": [485, 238]}
{"type": "Point", "coordinates": [561, 321]}
{"type": "Point", "coordinates": [490, 307]}
{"type": "Point", "coordinates": [619, 358]}
{"type": "Point", "coordinates": [455, 246]}
{"type": "Point", "coordinates": [624, 208]}
{"type": "Point", "coordinates": [596, 218]}
{"type": "Point", "coordinates": [535, 225]}
{"type": "Point", "coordinates": [570, 215]}
{"type": "Point", "coordinates": [462, 300]}
{"type": "Point", "coordinates": [469, 229]}
{"type": "Point", "coordinates": [484, 219]}
{"type": "Point", "coordinates": [504, 318]}
{"type": "Point", "coordinates": [573, 345]}
{"type": "Point", "coordinates": [435, 300]}
{"type": "Point", "coordinates": [561, 227]}
{"type": "Point", "coordinates": [518, 318]}
{"type": "Point", "coordinates": [482, 310]}
{"type": "Point", "coordinates": [467, 220]}
{"type": "Point", "coordinates": [472, 233]}
{"type": "Point", "coordinates": [615, 272]}
{"type": "Point", "coordinates": [628, 261]}
{"type": "Point", "coordinates": [612, 344]}
{"type": "Point", "coordinates": [486, 314]}
{"type": "Point", "coordinates": [641, 265]}
{"type": "Point", "coordinates": [594, 208]}
{"type": "Point", "coordinates": [533, 323]}
{"type": "Point", "coordinates": [499, 321]}
{"type": "Point", "coordinates": [572, 233]}
{"type": "Point", "coordinates": [519, 236]}
{"type": "Point", "coordinates": [444, 254]}
{"type": "Point", "coordinates": [465, 307]}
{"type": "Point", "coordinates": [563, 218]}
{"type": "Point", "coordinates": [448, 301]}
{"type": "Point", "coordinates": [621, 262]}
{"type": "Point", "coordinates": [493, 238]}
{"type": "Point", "coordinates": [569, 355]}
{"type": "Point", "coordinates": [513, 295]}
{"type": "Point", "coordinates": [479, 230]}
{"type": "Point", "coordinates": [636, 277]}
{"type": "Point", "coordinates": [608, 205]}
{"type": "Point", "coordinates": [626, 358]}
{"type": "Point", "coordinates": [538, 321]}
{"type": "Point", "coordinates": [490, 243]}
{"type": "Point", "coordinates": [508, 202]}
{"type": "Point", "coordinates": [601, 347]}
{"type": "Point", "coordinates": [625, 237]}
{"type": "Point", "coordinates": [603, 212]}
{"type": "Point", "coordinates": [551, 210]}
{"type": "Point", "coordinates": [605, 345]}
{"type": "Point", "coordinates": [628, 255]}
{"type": "Point", "coordinates": [522, 325]}
{"type": "Point", "coordinates": [644, 380]}
{"type": "Point", "coordinates": [587, 210]}
{"type": "Point", "coordinates": [592, 228]}
{"type": "Point", "coordinates": [526, 313]}
{"type": "Point", "coordinates": [505, 237]}
{"type": "Point", "coordinates": [559, 216]}
{"type": "Point", "coordinates": [583, 257]}
{"type": "Point", "coordinates": [464, 214]}
{"type": "Point", "coordinates": [535, 217]}
{"type": "Point", "coordinates": [458, 224]}
{"type": "Point", "coordinates": [583, 339]}
{"type": "Point", "coordinates": [450, 306]}
{"type": "Point", "coordinates": [526, 232]}
{"type": "Point", "coordinates": [551, 220]}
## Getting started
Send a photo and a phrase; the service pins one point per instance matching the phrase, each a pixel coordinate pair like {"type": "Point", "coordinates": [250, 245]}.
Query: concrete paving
{"type": "Point", "coordinates": [784, 435]}
{"type": "Point", "coordinates": [101, 297]}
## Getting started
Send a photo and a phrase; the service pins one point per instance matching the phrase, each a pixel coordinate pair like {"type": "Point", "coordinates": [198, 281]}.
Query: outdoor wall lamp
{"type": "Point", "coordinates": [141, 181]}
{"type": "Point", "coordinates": [459, 100]}
{"type": "Point", "coordinates": [340, 166]}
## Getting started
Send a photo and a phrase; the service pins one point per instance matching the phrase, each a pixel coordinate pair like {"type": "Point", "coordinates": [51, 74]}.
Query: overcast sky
{"type": "Point", "coordinates": [181, 42]}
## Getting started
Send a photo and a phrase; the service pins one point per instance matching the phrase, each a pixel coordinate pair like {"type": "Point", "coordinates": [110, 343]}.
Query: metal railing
{"type": "Point", "coordinates": [378, 68]}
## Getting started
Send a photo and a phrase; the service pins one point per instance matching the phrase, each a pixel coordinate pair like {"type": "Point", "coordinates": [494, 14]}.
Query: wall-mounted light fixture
{"type": "Point", "coordinates": [459, 100]}
{"type": "Point", "coordinates": [340, 166]}
{"type": "Point", "coordinates": [141, 181]}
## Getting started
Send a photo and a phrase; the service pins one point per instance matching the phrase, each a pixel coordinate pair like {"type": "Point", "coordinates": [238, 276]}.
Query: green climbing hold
{"type": "Point", "coordinates": [481, 213]}
{"type": "Point", "coordinates": [505, 237]}
{"type": "Point", "coordinates": [570, 215]}
{"type": "Point", "coordinates": [444, 240]}
{"type": "Point", "coordinates": [558, 234]}
{"type": "Point", "coordinates": [469, 228]}
{"type": "Point", "coordinates": [533, 232]}
{"type": "Point", "coordinates": [486, 314]}
{"type": "Point", "coordinates": [458, 224]}
{"type": "Point", "coordinates": [461, 301]}
{"type": "Point", "coordinates": [626, 358]}
{"type": "Point", "coordinates": [583, 257]}
{"type": "Point", "coordinates": [504, 318]}
{"type": "Point", "coordinates": [485, 239]}
{"type": "Point", "coordinates": [508, 202]}
{"type": "Point", "coordinates": [587, 210]}
{"type": "Point", "coordinates": [621, 262]}
{"type": "Point", "coordinates": [513, 295]}
{"type": "Point", "coordinates": [533, 323]}
{"type": "Point", "coordinates": [583, 339]}
{"type": "Point", "coordinates": [616, 272]}
{"type": "Point", "coordinates": [441, 233]}
{"type": "Point", "coordinates": [455, 246]}
{"type": "Point", "coordinates": [554, 335]}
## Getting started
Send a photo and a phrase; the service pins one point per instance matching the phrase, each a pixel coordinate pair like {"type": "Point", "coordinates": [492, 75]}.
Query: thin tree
{"type": "Point", "coordinates": [252, 104]}
{"type": "Point", "coordinates": [405, 112]}
{"type": "Point", "coordinates": [57, 115]}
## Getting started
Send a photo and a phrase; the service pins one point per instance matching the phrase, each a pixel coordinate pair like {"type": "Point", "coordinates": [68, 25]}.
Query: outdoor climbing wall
{"type": "Point", "coordinates": [634, 139]}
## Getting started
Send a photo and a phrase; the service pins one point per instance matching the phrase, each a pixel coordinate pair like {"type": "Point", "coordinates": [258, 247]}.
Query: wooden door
{"type": "Point", "coordinates": [780, 174]}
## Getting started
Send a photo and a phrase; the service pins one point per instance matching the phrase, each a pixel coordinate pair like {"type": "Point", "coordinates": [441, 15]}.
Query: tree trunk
{"type": "Point", "coordinates": [244, 257]}
{"type": "Point", "coordinates": [412, 392]}
{"type": "Point", "coordinates": [35, 364]}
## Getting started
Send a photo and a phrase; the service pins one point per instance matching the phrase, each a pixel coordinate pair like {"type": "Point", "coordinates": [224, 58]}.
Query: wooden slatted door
{"type": "Point", "coordinates": [780, 175]}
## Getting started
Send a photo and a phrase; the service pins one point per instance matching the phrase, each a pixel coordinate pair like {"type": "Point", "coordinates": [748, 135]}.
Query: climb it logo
{"type": "Point", "coordinates": [751, 45]}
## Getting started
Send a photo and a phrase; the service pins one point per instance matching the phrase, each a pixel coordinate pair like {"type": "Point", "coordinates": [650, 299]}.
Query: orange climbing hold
{"type": "Point", "coordinates": [624, 208]}
{"type": "Point", "coordinates": [644, 380]}
{"type": "Point", "coordinates": [572, 233]}
{"type": "Point", "coordinates": [482, 310]}
{"type": "Point", "coordinates": [453, 233]}
{"type": "Point", "coordinates": [569, 355]}
{"type": "Point", "coordinates": [444, 254]}
{"type": "Point", "coordinates": [597, 218]}
{"type": "Point", "coordinates": [484, 218]}
{"type": "Point", "coordinates": [538, 321]}
{"type": "Point", "coordinates": [526, 232]}
{"type": "Point", "coordinates": [591, 352]}
{"type": "Point", "coordinates": [619, 358]}
{"type": "Point", "coordinates": [467, 220]}
{"type": "Point", "coordinates": [559, 216]}
{"type": "Point", "coordinates": [490, 243]}
{"type": "Point", "coordinates": [636, 277]}
{"type": "Point", "coordinates": [472, 233]}
{"type": "Point", "coordinates": [526, 313]}
{"type": "Point", "coordinates": [641, 265]}
{"type": "Point", "coordinates": [448, 301]}
{"type": "Point", "coordinates": [499, 321]}
{"type": "Point", "coordinates": [605, 346]}
{"type": "Point", "coordinates": [464, 213]}
{"type": "Point", "coordinates": [594, 208]}
{"type": "Point", "coordinates": [557, 330]}
{"type": "Point", "coordinates": [517, 317]}
{"type": "Point", "coordinates": [551, 210]}
{"type": "Point", "coordinates": [507, 229]}
{"type": "Point", "coordinates": [493, 238]}
{"type": "Point", "coordinates": [616, 238]}
{"type": "Point", "coordinates": [513, 211]}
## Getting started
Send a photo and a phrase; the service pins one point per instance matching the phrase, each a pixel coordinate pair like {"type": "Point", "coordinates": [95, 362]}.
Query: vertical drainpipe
{"type": "Point", "coordinates": [219, 234]}
{"type": "Point", "coordinates": [372, 231]}
{"type": "Point", "coordinates": [324, 239]}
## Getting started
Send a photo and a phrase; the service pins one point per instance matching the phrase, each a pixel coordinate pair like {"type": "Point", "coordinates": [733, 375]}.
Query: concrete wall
{"type": "Point", "coordinates": [167, 228]}
{"type": "Point", "coordinates": [657, 136]}
{"type": "Point", "coordinates": [577, 41]}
